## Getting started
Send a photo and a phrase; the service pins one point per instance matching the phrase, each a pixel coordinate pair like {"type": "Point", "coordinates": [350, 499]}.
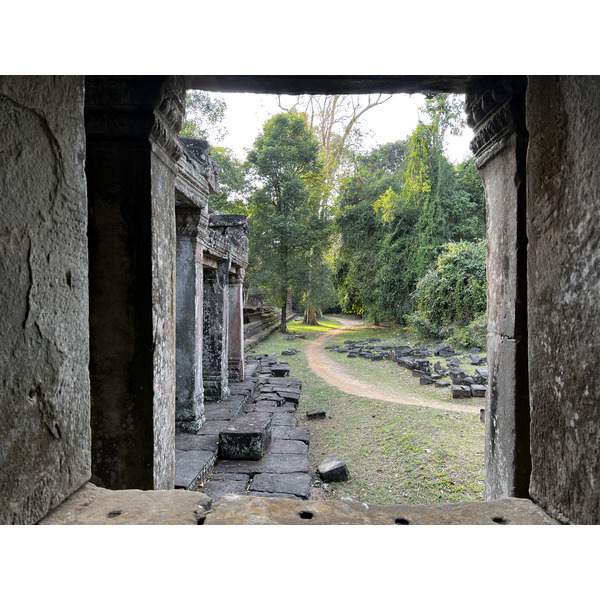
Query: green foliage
{"type": "Point", "coordinates": [203, 116]}
{"type": "Point", "coordinates": [472, 335]}
{"type": "Point", "coordinates": [233, 183]}
{"type": "Point", "coordinates": [397, 212]}
{"type": "Point", "coordinates": [286, 226]}
{"type": "Point", "coordinates": [454, 291]}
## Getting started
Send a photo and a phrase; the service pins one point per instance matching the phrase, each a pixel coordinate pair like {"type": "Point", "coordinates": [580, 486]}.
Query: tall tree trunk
{"type": "Point", "coordinates": [283, 324]}
{"type": "Point", "coordinates": [310, 316]}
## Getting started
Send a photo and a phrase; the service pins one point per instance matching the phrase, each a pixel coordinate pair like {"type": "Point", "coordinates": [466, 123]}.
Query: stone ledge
{"type": "Point", "coordinates": [236, 510]}
{"type": "Point", "coordinates": [92, 505]}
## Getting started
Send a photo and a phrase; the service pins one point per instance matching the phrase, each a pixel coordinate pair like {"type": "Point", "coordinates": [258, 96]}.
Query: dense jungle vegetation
{"type": "Point", "coordinates": [395, 234]}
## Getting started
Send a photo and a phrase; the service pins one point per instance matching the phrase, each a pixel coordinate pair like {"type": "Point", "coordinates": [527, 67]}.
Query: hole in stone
{"type": "Point", "coordinates": [305, 514]}
{"type": "Point", "coordinates": [201, 520]}
{"type": "Point", "coordinates": [402, 521]}
{"type": "Point", "coordinates": [68, 278]}
{"type": "Point", "coordinates": [114, 513]}
{"type": "Point", "coordinates": [499, 520]}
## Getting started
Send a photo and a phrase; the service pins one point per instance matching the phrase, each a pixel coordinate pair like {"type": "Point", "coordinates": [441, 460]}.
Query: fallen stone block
{"type": "Point", "coordinates": [246, 438]}
{"type": "Point", "coordinates": [426, 380]}
{"type": "Point", "coordinates": [459, 377]}
{"type": "Point", "coordinates": [407, 362]}
{"type": "Point", "coordinates": [477, 360]}
{"type": "Point", "coordinates": [478, 391]}
{"type": "Point", "coordinates": [461, 391]}
{"type": "Point", "coordinates": [280, 370]}
{"type": "Point", "coordinates": [333, 469]}
{"type": "Point", "coordinates": [315, 414]}
{"type": "Point", "coordinates": [442, 384]}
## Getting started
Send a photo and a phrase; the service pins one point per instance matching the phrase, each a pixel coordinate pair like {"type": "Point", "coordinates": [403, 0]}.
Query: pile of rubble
{"type": "Point", "coordinates": [419, 361]}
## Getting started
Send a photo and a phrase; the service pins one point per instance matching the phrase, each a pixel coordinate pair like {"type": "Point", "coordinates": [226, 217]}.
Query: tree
{"type": "Point", "coordinates": [233, 183]}
{"type": "Point", "coordinates": [204, 114]}
{"type": "Point", "coordinates": [285, 223]}
{"type": "Point", "coordinates": [335, 121]}
{"type": "Point", "coordinates": [404, 202]}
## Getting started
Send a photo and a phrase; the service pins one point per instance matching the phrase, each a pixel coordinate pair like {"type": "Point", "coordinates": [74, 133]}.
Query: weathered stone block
{"type": "Point", "coordinates": [478, 391]}
{"type": "Point", "coordinates": [247, 437]}
{"type": "Point", "coordinates": [280, 370]}
{"type": "Point", "coordinates": [333, 469]}
{"type": "Point", "coordinates": [461, 391]}
{"type": "Point", "coordinates": [315, 414]}
{"type": "Point", "coordinates": [192, 466]}
{"type": "Point", "coordinates": [298, 484]}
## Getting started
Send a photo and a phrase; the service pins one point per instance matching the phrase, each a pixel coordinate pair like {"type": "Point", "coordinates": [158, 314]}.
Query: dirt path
{"type": "Point", "coordinates": [335, 374]}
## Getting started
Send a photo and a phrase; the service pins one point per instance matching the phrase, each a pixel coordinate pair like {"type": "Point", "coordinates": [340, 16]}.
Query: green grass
{"type": "Point", "coordinates": [396, 454]}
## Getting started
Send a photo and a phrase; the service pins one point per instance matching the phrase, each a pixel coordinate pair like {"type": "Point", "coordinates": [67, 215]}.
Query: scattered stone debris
{"type": "Point", "coordinates": [416, 361]}
{"type": "Point", "coordinates": [333, 469]}
{"type": "Point", "coordinates": [482, 415]}
{"type": "Point", "coordinates": [290, 352]}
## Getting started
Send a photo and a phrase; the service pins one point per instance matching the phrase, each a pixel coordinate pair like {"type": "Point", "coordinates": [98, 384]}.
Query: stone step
{"type": "Point", "coordinates": [246, 437]}
{"type": "Point", "coordinates": [192, 467]}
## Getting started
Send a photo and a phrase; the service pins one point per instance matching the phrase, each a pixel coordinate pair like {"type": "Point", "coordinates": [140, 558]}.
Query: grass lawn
{"type": "Point", "coordinates": [396, 454]}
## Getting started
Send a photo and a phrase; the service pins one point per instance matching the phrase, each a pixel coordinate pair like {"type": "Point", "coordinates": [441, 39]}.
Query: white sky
{"type": "Point", "coordinates": [392, 121]}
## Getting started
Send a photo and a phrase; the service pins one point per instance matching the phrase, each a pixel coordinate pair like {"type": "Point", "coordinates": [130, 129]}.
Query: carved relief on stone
{"type": "Point", "coordinates": [169, 114]}
{"type": "Point", "coordinates": [495, 110]}
{"type": "Point", "coordinates": [191, 222]}
{"type": "Point", "coordinates": [237, 278]}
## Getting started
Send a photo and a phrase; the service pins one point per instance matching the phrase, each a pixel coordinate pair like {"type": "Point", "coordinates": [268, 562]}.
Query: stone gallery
{"type": "Point", "coordinates": [122, 313]}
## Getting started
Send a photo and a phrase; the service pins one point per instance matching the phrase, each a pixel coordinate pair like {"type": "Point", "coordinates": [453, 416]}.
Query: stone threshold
{"type": "Point", "coordinates": [92, 505]}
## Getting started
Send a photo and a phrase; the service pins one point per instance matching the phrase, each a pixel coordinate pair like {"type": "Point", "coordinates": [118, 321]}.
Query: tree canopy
{"type": "Point", "coordinates": [285, 223]}
{"type": "Point", "coordinates": [369, 230]}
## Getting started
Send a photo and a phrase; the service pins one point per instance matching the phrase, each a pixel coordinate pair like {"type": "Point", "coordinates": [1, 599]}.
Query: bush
{"type": "Point", "coordinates": [422, 326]}
{"type": "Point", "coordinates": [454, 291]}
{"type": "Point", "coordinates": [474, 334]}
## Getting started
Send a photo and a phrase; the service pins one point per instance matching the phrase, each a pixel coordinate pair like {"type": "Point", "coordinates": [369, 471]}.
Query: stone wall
{"type": "Point", "coordinates": [44, 354]}
{"type": "Point", "coordinates": [563, 207]}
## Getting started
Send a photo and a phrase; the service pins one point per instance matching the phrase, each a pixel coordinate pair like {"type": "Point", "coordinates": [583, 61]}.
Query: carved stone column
{"type": "Point", "coordinates": [191, 231]}
{"type": "Point", "coordinates": [215, 328]}
{"type": "Point", "coordinates": [496, 111]}
{"type": "Point", "coordinates": [131, 129]}
{"type": "Point", "coordinates": [236, 326]}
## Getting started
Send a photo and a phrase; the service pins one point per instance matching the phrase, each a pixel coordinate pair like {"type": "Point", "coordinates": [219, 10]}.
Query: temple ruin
{"type": "Point", "coordinates": [122, 295]}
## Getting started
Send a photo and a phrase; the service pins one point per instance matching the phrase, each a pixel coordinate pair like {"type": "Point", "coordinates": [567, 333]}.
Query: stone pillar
{"type": "Point", "coordinates": [215, 332]}
{"type": "Point", "coordinates": [236, 326]}
{"type": "Point", "coordinates": [131, 134]}
{"type": "Point", "coordinates": [191, 230]}
{"type": "Point", "coordinates": [496, 111]}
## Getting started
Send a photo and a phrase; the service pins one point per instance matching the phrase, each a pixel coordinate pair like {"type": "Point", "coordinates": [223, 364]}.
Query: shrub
{"type": "Point", "coordinates": [473, 334]}
{"type": "Point", "coordinates": [454, 290]}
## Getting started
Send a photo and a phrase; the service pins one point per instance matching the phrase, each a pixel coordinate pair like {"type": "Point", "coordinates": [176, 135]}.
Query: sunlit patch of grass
{"type": "Point", "coordinates": [324, 324]}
